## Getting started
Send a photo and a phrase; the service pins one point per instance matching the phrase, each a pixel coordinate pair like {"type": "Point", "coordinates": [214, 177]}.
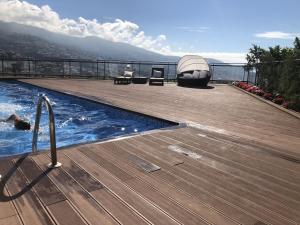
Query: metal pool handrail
{"type": "Point", "coordinates": [43, 98]}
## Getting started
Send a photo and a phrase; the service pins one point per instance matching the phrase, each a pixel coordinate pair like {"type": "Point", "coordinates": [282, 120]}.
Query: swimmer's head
{"type": "Point", "coordinates": [22, 125]}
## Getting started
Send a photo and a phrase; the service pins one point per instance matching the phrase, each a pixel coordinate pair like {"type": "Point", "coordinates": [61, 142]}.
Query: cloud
{"type": "Point", "coordinates": [277, 35]}
{"type": "Point", "coordinates": [193, 29]}
{"type": "Point", "coordinates": [227, 57]}
{"type": "Point", "coordinates": [118, 31]}
{"type": "Point", "coordinates": [44, 17]}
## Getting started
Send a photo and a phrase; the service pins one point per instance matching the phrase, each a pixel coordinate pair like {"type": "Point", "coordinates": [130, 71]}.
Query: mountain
{"type": "Point", "coordinates": [18, 40]}
{"type": "Point", "coordinates": [16, 45]}
{"type": "Point", "coordinates": [213, 61]}
{"type": "Point", "coordinates": [22, 41]}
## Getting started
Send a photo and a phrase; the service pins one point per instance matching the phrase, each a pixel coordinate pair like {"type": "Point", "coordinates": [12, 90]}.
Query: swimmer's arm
{"type": "Point", "coordinates": [5, 120]}
{"type": "Point", "coordinates": [13, 117]}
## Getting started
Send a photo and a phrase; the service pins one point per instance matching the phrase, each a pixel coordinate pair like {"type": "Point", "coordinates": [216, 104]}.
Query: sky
{"type": "Point", "coordinates": [220, 29]}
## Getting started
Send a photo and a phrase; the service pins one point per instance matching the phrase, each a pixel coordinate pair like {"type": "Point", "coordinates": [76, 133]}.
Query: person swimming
{"type": "Point", "coordinates": [19, 123]}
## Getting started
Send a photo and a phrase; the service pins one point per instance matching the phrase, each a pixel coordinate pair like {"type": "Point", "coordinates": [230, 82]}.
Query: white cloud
{"type": "Point", "coordinates": [119, 30]}
{"type": "Point", "coordinates": [277, 35]}
{"type": "Point", "coordinates": [44, 17]}
{"type": "Point", "coordinates": [227, 57]}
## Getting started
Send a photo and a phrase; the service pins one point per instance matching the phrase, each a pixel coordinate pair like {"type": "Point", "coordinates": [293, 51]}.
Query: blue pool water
{"type": "Point", "coordinates": [77, 120]}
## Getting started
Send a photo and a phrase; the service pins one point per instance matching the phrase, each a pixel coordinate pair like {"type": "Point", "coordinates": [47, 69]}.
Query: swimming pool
{"type": "Point", "coordinates": [77, 120]}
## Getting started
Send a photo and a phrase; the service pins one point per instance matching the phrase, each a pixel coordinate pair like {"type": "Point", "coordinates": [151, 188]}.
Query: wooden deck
{"type": "Point", "coordinates": [237, 163]}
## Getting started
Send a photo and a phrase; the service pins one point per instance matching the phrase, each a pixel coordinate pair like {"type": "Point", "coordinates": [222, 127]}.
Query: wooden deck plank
{"type": "Point", "coordinates": [261, 152]}
{"type": "Point", "coordinates": [64, 214]}
{"type": "Point", "coordinates": [224, 150]}
{"type": "Point", "coordinates": [206, 212]}
{"type": "Point", "coordinates": [6, 207]}
{"type": "Point", "coordinates": [149, 211]}
{"type": "Point", "coordinates": [179, 213]}
{"type": "Point", "coordinates": [29, 208]}
{"type": "Point", "coordinates": [122, 175]}
{"type": "Point", "coordinates": [81, 176]}
{"type": "Point", "coordinates": [236, 180]}
{"type": "Point", "coordinates": [82, 200]}
{"type": "Point", "coordinates": [107, 200]}
{"type": "Point", "coordinates": [247, 177]}
{"type": "Point", "coordinates": [12, 220]}
{"type": "Point", "coordinates": [46, 190]}
{"type": "Point", "coordinates": [211, 194]}
{"type": "Point", "coordinates": [137, 161]}
{"type": "Point", "coordinates": [289, 207]}
{"type": "Point", "coordinates": [194, 147]}
{"type": "Point", "coordinates": [118, 209]}
{"type": "Point", "coordinates": [268, 203]}
{"type": "Point", "coordinates": [227, 195]}
{"type": "Point", "coordinates": [168, 156]}
{"type": "Point", "coordinates": [52, 198]}
{"type": "Point", "coordinates": [233, 183]}
{"type": "Point", "coordinates": [155, 197]}
{"type": "Point", "coordinates": [208, 199]}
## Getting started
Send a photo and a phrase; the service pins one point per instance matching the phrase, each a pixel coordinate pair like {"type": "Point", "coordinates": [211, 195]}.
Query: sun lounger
{"type": "Point", "coordinates": [157, 76]}
{"type": "Point", "coordinates": [126, 78]}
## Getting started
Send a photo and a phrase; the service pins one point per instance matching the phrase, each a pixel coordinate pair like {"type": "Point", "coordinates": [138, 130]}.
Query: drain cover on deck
{"type": "Point", "coordinates": [145, 165]}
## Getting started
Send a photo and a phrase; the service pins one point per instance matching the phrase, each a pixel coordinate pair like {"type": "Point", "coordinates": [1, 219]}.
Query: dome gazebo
{"type": "Point", "coordinates": [193, 70]}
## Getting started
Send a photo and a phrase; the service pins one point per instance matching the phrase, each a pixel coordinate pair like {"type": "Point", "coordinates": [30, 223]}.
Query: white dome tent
{"type": "Point", "coordinates": [193, 70]}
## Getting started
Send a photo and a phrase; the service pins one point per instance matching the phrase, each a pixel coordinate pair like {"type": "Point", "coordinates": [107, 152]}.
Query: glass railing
{"type": "Point", "coordinates": [105, 69]}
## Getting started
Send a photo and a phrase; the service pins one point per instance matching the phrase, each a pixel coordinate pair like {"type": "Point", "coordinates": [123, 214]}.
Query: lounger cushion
{"type": "Point", "coordinates": [203, 74]}
{"type": "Point", "coordinates": [128, 73]}
{"type": "Point", "coordinates": [156, 78]}
{"type": "Point", "coordinates": [156, 74]}
{"type": "Point", "coordinates": [196, 74]}
{"type": "Point", "coordinates": [188, 76]}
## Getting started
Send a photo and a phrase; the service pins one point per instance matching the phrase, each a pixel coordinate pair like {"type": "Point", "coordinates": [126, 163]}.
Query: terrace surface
{"type": "Point", "coordinates": [237, 162]}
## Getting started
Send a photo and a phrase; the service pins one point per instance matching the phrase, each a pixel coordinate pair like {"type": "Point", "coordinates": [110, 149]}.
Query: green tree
{"type": "Point", "coordinates": [279, 70]}
{"type": "Point", "coordinates": [254, 55]}
{"type": "Point", "coordinates": [297, 43]}
{"type": "Point", "coordinates": [297, 48]}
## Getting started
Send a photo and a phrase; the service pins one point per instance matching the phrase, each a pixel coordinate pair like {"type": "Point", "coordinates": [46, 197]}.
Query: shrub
{"type": "Point", "coordinates": [260, 92]}
{"type": "Point", "coordinates": [278, 100]}
{"type": "Point", "coordinates": [295, 105]}
{"type": "Point", "coordinates": [249, 89]}
{"type": "Point", "coordinates": [286, 104]}
{"type": "Point", "coordinates": [254, 89]}
{"type": "Point", "coordinates": [244, 86]}
{"type": "Point", "coordinates": [268, 96]}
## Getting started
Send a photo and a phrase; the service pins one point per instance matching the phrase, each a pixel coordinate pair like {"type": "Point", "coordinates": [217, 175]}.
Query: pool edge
{"type": "Point", "coordinates": [97, 100]}
{"type": "Point", "coordinates": [173, 124]}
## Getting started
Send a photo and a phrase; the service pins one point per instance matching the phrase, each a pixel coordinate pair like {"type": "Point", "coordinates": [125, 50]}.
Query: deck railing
{"type": "Point", "coordinates": [107, 69]}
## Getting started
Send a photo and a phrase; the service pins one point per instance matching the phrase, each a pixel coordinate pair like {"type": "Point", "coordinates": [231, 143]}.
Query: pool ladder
{"type": "Point", "coordinates": [43, 98]}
